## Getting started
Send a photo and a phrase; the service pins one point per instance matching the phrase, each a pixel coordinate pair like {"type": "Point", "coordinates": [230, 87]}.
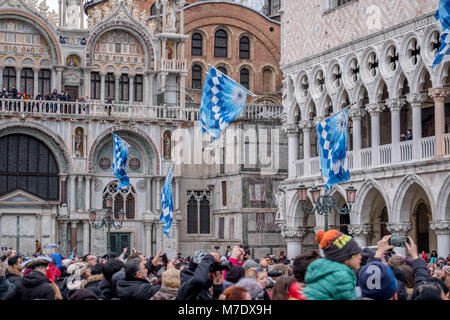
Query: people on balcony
{"type": "Point", "coordinates": [407, 136]}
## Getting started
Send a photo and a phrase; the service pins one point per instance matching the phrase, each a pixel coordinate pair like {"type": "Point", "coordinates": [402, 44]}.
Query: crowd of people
{"type": "Point", "coordinates": [53, 102]}
{"type": "Point", "coordinates": [345, 271]}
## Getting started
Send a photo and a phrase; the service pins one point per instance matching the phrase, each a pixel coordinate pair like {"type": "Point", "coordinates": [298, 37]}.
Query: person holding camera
{"type": "Point", "coordinates": [204, 278]}
{"type": "Point", "coordinates": [236, 258]}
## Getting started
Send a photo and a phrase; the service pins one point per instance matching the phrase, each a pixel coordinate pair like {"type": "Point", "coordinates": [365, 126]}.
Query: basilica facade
{"type": "Point", "coordinates": [374, 57]}
{"type": "Point", "coordinates": [132, 68]}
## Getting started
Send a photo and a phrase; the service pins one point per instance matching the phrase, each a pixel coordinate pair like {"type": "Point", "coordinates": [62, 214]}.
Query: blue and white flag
{"type": "Point", "coordinates": [443, 15]}
{"type": "Point", "coordinates": [223, 100]}
{"type": "Point", "coordinates": [332, 138]}
{"type": "Point", "coordinates": [167, 202]}
{"type": "Point", "coordinates": [120, 151]}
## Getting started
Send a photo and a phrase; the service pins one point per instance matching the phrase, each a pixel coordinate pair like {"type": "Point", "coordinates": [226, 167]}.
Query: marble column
{"type": "Point", "coordinates": [294, 238]}
{"type": "Point", "coordinates": [151, 88]}
{"type": "Point", "coordinates": [18, 76]}
{"type": "Point", "coordinates": [102, 86]}
{"type": "Point", "coordinates": [182, 90]}
{"type": "Point", "coordinates": [63, 237]}
{"type": "Point", "coordinates": [72, 193]}
{"type": "Point", "coordinates": [117, 87]}
{"type": "Point", "coordinates": [416, 101]}
{"type": "Point", "coordinates": [442, 230]}
{"type": "Point", "coordinates": [87, 83]}
{"type": "Point", "coordinates": [73, 236]}
{"type": "Point", "coordinates": [439, 95]}
{"type": "Point", "coordinates": [360, 232]}
{"type": "Point", "coordinates": [38, 227]}
{"type": "Point", "coordinates": [36, 82]}
{"type": "Point", "coordinates": [375, 110]}
{"type": "Point", "coordinates": [306, 126]}
{"type": "Point", "coordinates": [399, 229]}
{"type": "Point", "coordinates": [1, 77]}
{"type": "Point", "coordinates": [59, 71]}
{"type": "Point", "coordinates": [86, 248]}
{"type": "Point", "coordinates": [395, 106]}
{"type": "Point", "coordinates": [53, 79]}
{"type": "Point", "coordinates": [356, 114]}
{"type": "Point", "coordinates": [177, 194]}
{"type": "Point", "coordinates": [131, 89]}
{"type": "Point", "coordinates": [158, 193]}
{"type": "Point", "coordinates": [148, 203]}
{"type": "Point", "coordinates": [148, 239]}
{"type": "Point", "coordinates": [79, 195]}
{"type": "Point", "coordinates": [87, 197]}
{"type": "Point", "coordinates": [63, 184]}
{"type": "Point", "coordinates": [293, 135]}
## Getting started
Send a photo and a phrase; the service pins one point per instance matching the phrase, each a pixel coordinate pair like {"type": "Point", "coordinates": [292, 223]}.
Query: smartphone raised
{"type": "Point", "coordinates": [164, 259]}
{"type": "Point", "coordinates": [398, 241]}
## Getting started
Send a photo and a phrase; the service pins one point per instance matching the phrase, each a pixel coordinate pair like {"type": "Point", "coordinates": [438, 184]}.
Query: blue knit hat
{"type": "Point", "coordinates": [377, 281]}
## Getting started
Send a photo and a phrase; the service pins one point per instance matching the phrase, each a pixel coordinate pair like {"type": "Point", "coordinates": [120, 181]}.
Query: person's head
{"type": "Point", "coordinates": [251, 285]}
{"type": "Point", "coordinates": [280, 267]}
{"type": "Point", "coordinates": [251, 273]}
{"type": "Point", "coordinates": [408, 273]}
{"type": "Point", "coordinates": [261, 277]}
{"type": "Point", "coordinates": [250, 264]}
{"type": "Point", "coordinates": [15, 262]}
{"type": "Point", "coordinates": [409, 131]}
{"type": "Point", "coordinates": [97, 269]}
{"type": "Point", "coordinates": [235, 274]}
{"type": "Point", "coordinates": [302, 262]}
{"type": "Point", "coordinates": [428, 291]}
{"type": "Point", "coordinates": [171, 278]}
{"type": "Point", "coordinates": [434, 254]}
{"type": "Point", "coordinates": [135, 255]}
{"type": "Point", "coordinates": [90, 259]}
{"type": "Point", "coordinates": [135, 269]}
{"type": "Point", "coordinates": [444, 288]}
{"type": "Point", "coordinates": [111, 267]}
{"type": "Point", "coordinates": [38, 264]}
{"type": "Point", "coordinates": [281, 288]}
{"type": "Point", "coordinates": [235, 293]}
{"type": "Point", "coordinates": [445, 272]}
{"type": "Point", "coordinates": [340, 248]}
{"type": "Point", "coordinates": [377, 281]}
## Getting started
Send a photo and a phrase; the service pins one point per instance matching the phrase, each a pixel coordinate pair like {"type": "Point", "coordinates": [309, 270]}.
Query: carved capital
{"type": "Point", "coordinates": [394, 104]}
{"type": "Point", "coordinates": [399, 229]}
{"type": "Point", "coordinates": [375, 108]}
{"type": "Point", "coordinates": [290, 129]}
{"type": "Point", "coordinates": [440, 227]}
{"type": "Point", "coordinates": [438, 93]}
{"type": "Point", "coordinates": [358, 229]}
{"type": "Point", "coordinates": [416, 98]}
{"type": "Point", "coordinates": [317, 120]}
{"type": "Point", "coordinates": [305, 124]}
{"type": "Point", "coordinates": [355, 113]}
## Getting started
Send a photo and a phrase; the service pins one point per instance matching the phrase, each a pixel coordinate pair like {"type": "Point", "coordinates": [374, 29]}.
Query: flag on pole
{"type": "Point", "coordinates": [443, 15]}
{"type": "Point", "coordinates": [332, 139]}
{"type": "Point", "coordinates": [223, 100]}
{"type": "Point", "coordinates": [167, 202]}
{"type": "Point", "coordinates": [120, 152]}
{"type": "Point", "coordinates": [72, 254]}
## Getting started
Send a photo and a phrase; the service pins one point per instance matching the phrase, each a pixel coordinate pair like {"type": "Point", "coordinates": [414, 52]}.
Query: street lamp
{"type": "Point", "coordinates": [324, 204]}
{"type": "Point", "coordinates": [108, 220]}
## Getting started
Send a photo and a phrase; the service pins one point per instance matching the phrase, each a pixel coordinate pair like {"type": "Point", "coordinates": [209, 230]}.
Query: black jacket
{"type": "Point", "coordinates": [105, 287]}
{"type": "Point", "coordinates": [93, 283]}
{"type": "Point", "coordinates": [34, 286]}
{"type": "Point", "coordinates": [55, 96]}
{"type": "Point", "coordinates": [136, 289]}
{"type": "Point", "coordinates": [421, 274]}
{"type": "Point", "coordinates": [12, 275]}
{"type": "Point", "coordinates": [196, 287]}
{"type": "Point", "coordinates": [5, 287]}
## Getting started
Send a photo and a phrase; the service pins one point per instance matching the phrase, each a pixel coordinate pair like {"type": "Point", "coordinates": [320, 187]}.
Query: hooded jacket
{"type": "Point", "coordinates": [5, 287]}
{"type": "Point", "coordinates": [105, 287]}
{"type": "Point", "coordinates": [329, 280]}
{"type": "Point", "coordinates": [136, 289]}
{"type": "Point", "coordinates": [13, 275]}
{"type": "Point", "coordinates": [93, 284]}
{"type": "Point", "coordinates": [34, 286]}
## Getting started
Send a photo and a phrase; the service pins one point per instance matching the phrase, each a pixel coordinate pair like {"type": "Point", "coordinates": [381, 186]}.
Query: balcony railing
{"type": "Point", "coordinates": [405, 153]}
{"type": "Point", "coordinates": [49, 109]}
{"type": "Point", "coordinates": [172, 65]}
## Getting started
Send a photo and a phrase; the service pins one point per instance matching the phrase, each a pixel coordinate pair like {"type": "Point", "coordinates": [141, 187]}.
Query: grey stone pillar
{"type": "Point", "coordinates": [395, 106]}
{"type": "Point", "coordinates": [102, 86]}
{"type": "Point", "coordinates": [18, 76]}
{"type": "Point", "coordinates": [63, 237]}
{"type": "Point", "coordinates": [294, 238]}
{"type": "Point", "coordinates": [1, 77]}
{"type": "Point", "coordinates": [439, 95]}
{"type": "Point", "coordinates": [442, 230]}
{"type": "Point", "coordinates": [292, 134]}
{"type": "Point", "coordinates": [131, 88]}
{"type": "Point", "coordinates": [158, 194]}
{"type": "Point", "coordinates": [360, 232]}
{"type": "Point", "coordinates": [36, 82]}
{"type": "Point", "coordinates": [116, 87]}
{"type": "Point", "coordinates": [85, 237]}
{"type": "Point", "coordinates": [72, 193]}
{"type": "Point", "coordinates": [87, 197]}
{"type": "Point", "coordinates": [80, 203]}
{"type": "Point", "coordinates": [355, 114]}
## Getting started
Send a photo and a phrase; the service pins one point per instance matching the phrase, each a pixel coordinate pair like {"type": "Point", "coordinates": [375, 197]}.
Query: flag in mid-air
{"type": "Point", "coordinates": [167, 202]}
{"type": "Point", "coordinates": [443, 15]}
{"type": "Point", "coordinates": [223, 100]}
{"type": "Point", "coordinates": [120, 151]}
{"type": "Point", "coordinates": [332, 138]}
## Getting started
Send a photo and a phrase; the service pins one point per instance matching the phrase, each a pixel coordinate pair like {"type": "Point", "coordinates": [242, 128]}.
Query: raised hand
{"type": "Point", "coordinates": [411, 248]}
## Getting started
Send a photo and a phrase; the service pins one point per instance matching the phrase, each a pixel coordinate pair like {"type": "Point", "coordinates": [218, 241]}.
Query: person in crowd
{"type": "Point", "coordinates": [108, 106]}
{"type": "Point", "coordinates": [14, 270]}
{"type": "Point", "coordinates": [253, 287]}
{"type": "Point", "coordinates": [282, 256]}
{"type": "Point", "coordinates": [235, 293]}
{"type": "Point", "coordinates": [333, 277]}
{"type": "Point", "coordinates": [170, 284]}
{"type": "Point", "coordinates": [35, 285]}
{"type": "Point", "coordinates": [111, 267]}
{"type": "Point", "coordinates": [281, 288]}
{"type": "Point", "coordinates": [377, 282]}
{"type": "Point", "coordinates": [78, 274]}
{"type": "Point", "coordinates": [433, 257]}
{"type": "Point", "coordinates": [90, 260]}
{"type": "Point", "coordinates": [301, 263]}
{"type": "Point", "coordinates": [38, 249]}
{"type": "Point", "coordinates": [200, 283]}
{"type": "Point", "coordinates": [5, 285]}
{"type": "Point", "coordinates": [236, 258]}
{"type": "Point", "coordinates": [261, 277]}
{"type": "Point", "coordinates": [135, 286]}
{"type": "Point", "coordinates": [83, 294]}
{"type": "Point", "coordinates": [14, 92]}
{"type": "Point", "coordinates": [86, 105]}
{"type": "Point", "coordinates": [81, 106]}
{"type": "Point", "coordinates": [93, 281]}
{"type": "Point", "coordinates": [236, 273]}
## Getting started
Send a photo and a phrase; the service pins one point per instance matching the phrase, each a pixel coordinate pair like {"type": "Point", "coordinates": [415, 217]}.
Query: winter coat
{"type": "Point", "coordinates": [420, 272]}
{"type": "Point", "coordinates": [93, 283]}
{"type": "Point", "coordinates": [136, 289]}
{"type": "Point", "coordinates": [5, 287]}
{"type": "Point", "coordinates": [34, 286]}
{"type": "Point", "coordinates": [105, 287]}
{"type": "Point", "coordinates": [329, 280]}
{"type": "Point", "coordinates": [196, 287]}
{"type": "Point", "coordinates": [13, 275]}
{"type": "Point", "coordinates": [165, 293]}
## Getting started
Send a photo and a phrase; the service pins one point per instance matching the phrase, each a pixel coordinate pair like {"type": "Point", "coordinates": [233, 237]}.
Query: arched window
{"type": "Point", "coordinates": [138, 88]}
{"type": "Point", "coordinates": [44, 79]}
{"type": "Point", "coordinates": [220, 44]}
{"type": "Point", "coordinates": [222, 69]}
{"type": "Point", "coordinates": [124, 86]}
{"type": "Point", "coordinates": [110, 83]}
{"type": "Point", "coordinates": [27, 81]}
{"type": "Point", "coordinates": [198, 212]}
{"type": "Point", "coordinates": [95, 85]}
{"type": "Point", "coordinates": [244, 48]}
{"type": "Point", "coordinates": [267, 81]}
{"type": "Point", "coordinates": [245, 78]}
{"type": "Point", "coordinates": [197, 77]}
{"type": "Point", "coordinates": [9, 78]}
{"type": "Point", "coordinates": [153, 10]}
{"type": "Point", "coordinates": [27, 164]}
{"type": "Point", "coordinates": [197, 45]}
{"type": "Point", "coordinates": [124, 199]}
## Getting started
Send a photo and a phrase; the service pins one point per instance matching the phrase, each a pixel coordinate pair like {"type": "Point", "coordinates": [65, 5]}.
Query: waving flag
{"type": "Point", "coordinates": [332, 137]}
{"type": "Point", "coordinates": [120, 151]}
{"type": "Point", "coordinates": [443, 15]}
{"type": "Point", "coordinates": [166, 202]}
{"type": "Point", "coordinates": [223, 100]}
